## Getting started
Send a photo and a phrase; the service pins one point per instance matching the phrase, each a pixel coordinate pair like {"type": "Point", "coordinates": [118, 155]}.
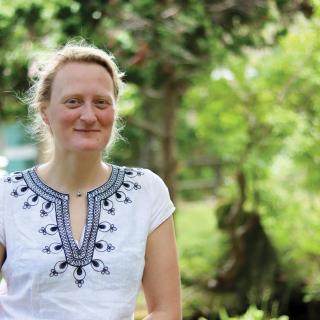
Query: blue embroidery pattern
{"type": "Point", "coordinates": [98, 201]}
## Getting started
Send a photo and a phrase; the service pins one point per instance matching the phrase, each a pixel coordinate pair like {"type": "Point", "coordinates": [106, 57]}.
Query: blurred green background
{"type": "Point", "coordinates": [223, 101]}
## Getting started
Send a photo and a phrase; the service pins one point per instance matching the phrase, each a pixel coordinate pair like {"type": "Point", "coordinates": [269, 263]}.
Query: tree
{"type": "Point", "coordinates": [163, 45]}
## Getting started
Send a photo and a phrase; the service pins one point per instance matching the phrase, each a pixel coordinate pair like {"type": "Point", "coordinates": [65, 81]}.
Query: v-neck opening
{"type": "Point", "coordinates": [85, 228]}
{"type": "Point", "coordinates": [78, 243]}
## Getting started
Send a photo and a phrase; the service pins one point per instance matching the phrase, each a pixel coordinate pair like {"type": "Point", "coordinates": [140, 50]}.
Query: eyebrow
{"type": "Point", "coordinates": [70, 95]}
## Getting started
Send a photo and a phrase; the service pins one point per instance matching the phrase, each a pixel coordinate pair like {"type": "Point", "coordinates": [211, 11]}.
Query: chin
{"type": "Point", "coordinates": [87, 148]}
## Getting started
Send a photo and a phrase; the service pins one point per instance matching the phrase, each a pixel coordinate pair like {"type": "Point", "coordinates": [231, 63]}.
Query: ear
{"type": "Point", "coordinates": [44, 113]}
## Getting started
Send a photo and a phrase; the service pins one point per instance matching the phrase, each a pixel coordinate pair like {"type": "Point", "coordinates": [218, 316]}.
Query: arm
{"type": "Point", "coordinates": [3, 285]}
{"type": "Point", "coordinates": [161, 278]}
{"type": "Point", "coordinates": [2, 254]}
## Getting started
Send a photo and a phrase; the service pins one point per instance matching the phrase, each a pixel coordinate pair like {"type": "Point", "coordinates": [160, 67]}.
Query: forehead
{"type": "Point", "coordinates": [75, 76]}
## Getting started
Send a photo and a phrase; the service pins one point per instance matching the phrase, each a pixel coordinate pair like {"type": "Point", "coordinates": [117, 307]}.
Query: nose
{"type": "Point", "coordinates": [87, 113]}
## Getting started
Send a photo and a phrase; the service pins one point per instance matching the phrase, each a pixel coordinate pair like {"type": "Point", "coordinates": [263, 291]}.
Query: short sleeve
{"type": "Point", "coordinates": [161, 205]}
{"type": "Point", "coordinates": [2, 208]}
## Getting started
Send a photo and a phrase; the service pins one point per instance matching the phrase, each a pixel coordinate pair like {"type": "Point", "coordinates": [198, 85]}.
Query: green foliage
{"type": "Point", "coordinates": [252, 314]}
{"type": "Point", "coordinates": [201, 248]}
{"type": "Point", "coordinates": [198, 240]}
{"type": "Point", "coordinates": [259, 114]}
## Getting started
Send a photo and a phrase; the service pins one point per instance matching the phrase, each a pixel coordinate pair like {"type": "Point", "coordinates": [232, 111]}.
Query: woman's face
{"type": "Point", "coordinates": [81, 110]}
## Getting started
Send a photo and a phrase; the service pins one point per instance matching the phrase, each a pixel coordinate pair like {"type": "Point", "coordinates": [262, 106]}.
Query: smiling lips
{"type": "Point", "coordinates": [87, 130]}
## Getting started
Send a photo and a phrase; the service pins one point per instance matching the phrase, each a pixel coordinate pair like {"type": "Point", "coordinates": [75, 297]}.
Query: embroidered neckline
{"type": "Point", "coordinates": [61, 202]}
{"type": "Point", "coordinates": [40, 182]}
{"type": "Point", "coordinates": [100, 200]}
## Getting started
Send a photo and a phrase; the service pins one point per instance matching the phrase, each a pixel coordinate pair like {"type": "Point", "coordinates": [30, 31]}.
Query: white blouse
{"type": "Point", "coordinates": [52, 277]}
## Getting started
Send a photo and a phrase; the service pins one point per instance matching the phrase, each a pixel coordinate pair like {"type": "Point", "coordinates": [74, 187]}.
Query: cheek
{"type": "Point", "coordinates": [64, 118]}
{"type": "Point", "coordinates": [107, 117]}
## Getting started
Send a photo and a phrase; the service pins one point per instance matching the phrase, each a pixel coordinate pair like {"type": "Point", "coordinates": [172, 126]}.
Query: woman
{"type": "Point", "coordinates": [78, 236]}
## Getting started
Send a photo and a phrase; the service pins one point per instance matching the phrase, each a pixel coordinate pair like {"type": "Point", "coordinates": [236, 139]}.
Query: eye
{"type": "Point", "coordinates": [73, 103]}
{"type": "Point", "coordinates": [102, 103]}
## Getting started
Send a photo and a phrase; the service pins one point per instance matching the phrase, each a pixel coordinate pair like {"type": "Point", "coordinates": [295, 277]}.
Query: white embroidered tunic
{"type": "Point", "coordinates": [49, 275]}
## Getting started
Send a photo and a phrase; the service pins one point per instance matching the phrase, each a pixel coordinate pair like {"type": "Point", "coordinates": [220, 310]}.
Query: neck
{"type": "Point", "coordinates": [69, 173]}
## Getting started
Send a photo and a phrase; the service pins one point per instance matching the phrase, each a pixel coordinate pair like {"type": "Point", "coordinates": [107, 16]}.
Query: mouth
{"type": "Point", "coordinates": [86, 130]}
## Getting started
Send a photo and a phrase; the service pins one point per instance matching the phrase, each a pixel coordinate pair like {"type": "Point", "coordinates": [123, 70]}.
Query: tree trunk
{"type": "Point", "coordinates": [169, 147]}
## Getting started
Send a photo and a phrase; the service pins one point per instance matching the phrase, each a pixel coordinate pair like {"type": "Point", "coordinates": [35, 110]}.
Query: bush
{"type": "Point", "coordinates": [252, 314]}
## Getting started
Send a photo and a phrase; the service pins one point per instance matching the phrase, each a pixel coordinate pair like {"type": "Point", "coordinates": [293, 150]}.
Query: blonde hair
{"type": "Point", "coordinates": [43, 73]}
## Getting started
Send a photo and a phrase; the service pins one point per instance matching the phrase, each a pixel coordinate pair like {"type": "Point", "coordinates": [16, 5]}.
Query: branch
{"type": "Point", "coordinates": [244, 5]}
{"type": "Point", "coordinates": [146, 126]}
{"type": "Point", "coordinates": [204, 161]}
{"type": "Point", "coordinates": [197, 184]}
